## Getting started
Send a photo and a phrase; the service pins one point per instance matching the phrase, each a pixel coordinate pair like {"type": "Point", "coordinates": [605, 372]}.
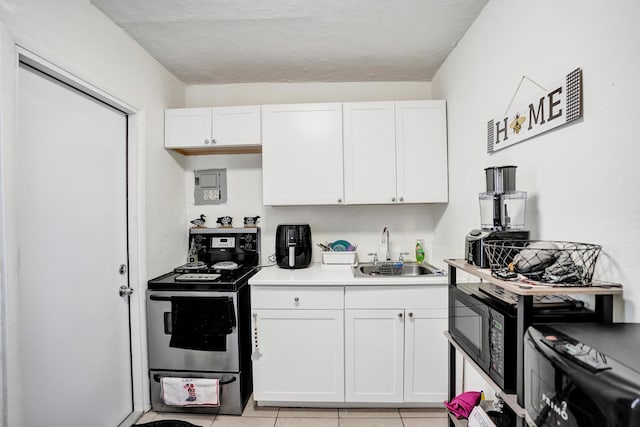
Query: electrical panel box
{"type": "Point", "coordinates": [210, 186]}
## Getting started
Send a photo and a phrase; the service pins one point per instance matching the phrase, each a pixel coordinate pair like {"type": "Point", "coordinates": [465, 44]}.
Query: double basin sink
{"type": "Point", "coordinates": [395, 269]}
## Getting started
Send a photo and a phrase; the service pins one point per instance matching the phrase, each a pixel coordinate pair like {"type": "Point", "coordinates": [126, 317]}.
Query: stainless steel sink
{"type": "Point", "coordinates": [408, 269]}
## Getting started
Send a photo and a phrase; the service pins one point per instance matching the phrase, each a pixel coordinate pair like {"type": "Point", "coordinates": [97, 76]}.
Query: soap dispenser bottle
{"type": "Point", "coordinates": [419, 251]}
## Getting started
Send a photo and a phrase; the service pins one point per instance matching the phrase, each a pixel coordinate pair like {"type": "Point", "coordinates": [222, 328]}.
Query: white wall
{"type": "Point", "coordinates": [582, 178]}
{"type": "Point", "coordinates": [361, 225]}
{"type": "Point", "coordinates": [79, 39]}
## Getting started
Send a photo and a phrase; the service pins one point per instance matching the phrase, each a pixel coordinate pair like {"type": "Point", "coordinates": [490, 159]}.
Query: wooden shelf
{"type": "Point", "coordinates": [202, 151]}
{"type": "Point", "coordinates": [520, 288]}
{"type": "Point", "coordinates": [509, 399]}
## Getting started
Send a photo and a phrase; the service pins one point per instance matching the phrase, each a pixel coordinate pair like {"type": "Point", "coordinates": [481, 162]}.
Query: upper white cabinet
{"type": "Point", "coordinates": [421, 151]}
{"type": "Point", "coordinates": [369, 152]}
{"type": "Point", "coordinates": [217, 128]}
{"type": "Point", "coordinates": [302, 154]}
{"type": "Point", "coordinates": [395, 152]}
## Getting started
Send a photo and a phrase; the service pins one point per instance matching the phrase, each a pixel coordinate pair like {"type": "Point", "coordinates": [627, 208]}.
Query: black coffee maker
{"type": "Point", "coordinates": [501, 214]}
{"type": "Point", "coordinates": [293, 245]}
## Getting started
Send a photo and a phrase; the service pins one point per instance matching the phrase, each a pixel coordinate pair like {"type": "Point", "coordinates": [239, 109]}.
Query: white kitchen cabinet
{"type": "Point", "coordinates": [213, 128]}
{"type": "Point", "coordinates": [374, 355]}
{"type": "Point", "coordinates": [395, 347]}
{"type": "Point", "coordinates": [369, 152]}
{"type": "Point", "coordinates": [298, 344]}
{"type": "Point", "coordinates": [395, 152]}
{"type": "Point", "coordinates": [302, 154]}
{"type": "Point", "coordinates": [421, 151]}
{"type": "Point", "coordinates": [425, 355]}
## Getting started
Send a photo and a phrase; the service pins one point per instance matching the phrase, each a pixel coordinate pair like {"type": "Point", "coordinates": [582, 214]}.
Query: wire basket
{"type": "Point", "coordinates": [546, 261]}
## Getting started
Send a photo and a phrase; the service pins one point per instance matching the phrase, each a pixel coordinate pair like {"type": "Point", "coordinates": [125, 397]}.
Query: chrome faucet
{"type": "Point", "coordinates": [385, 239]}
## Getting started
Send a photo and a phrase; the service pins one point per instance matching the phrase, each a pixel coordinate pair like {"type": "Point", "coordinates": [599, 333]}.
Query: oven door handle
{"type": "Point", "coordinates": [167, 323]}
{"type": "Point", "coordinates": [159, 298]}
{"type": "Point", "coordinates": [157, 377]}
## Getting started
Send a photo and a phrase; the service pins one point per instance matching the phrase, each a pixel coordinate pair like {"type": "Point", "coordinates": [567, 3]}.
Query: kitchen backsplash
{"type": "Point", "coordinates": [360, 225]}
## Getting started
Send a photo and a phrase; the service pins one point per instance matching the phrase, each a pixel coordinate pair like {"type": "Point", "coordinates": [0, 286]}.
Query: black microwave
{"type": "Point", "coordinates": [585, 375]}
{"type": "Point", "coordinates": [485, 326]}
{"type": "Point", "coordinates": [486, 330]}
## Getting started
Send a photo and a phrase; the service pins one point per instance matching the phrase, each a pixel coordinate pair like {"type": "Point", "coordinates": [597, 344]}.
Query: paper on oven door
{"type": "Point", "coordinates": [190, 391]}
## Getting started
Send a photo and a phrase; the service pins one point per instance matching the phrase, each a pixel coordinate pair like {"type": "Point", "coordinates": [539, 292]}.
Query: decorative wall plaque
{"type": "Point", "coordinates": [560, 105]}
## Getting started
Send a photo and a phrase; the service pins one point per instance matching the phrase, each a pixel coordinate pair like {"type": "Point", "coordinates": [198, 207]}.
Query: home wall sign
{"type": "Point", "coordinates": [559, 105]}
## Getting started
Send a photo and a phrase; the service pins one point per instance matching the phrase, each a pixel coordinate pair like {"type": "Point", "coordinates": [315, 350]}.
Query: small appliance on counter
{"type": "Point", "coordinates": [293, 245]}
{"type": "Point", "coordinates": [585, 375]}
{"type": "Point", "coordinates": [501, 214]}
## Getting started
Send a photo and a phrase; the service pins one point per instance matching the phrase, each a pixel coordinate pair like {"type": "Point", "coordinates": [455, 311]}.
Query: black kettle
{"type": "Point", "coordinates": [293, 245]}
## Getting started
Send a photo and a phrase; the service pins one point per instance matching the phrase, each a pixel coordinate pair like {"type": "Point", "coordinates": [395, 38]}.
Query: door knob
{"type": "Point", "coordinates": [125, 291]}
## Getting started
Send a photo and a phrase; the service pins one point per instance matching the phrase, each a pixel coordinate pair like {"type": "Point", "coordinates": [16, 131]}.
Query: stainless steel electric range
{"type": "Point", "coordinates": [198, 318]}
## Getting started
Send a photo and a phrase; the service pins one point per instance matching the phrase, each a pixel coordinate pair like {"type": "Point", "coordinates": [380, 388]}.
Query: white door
{"type": "Point", "coordinates": [425, 356]}
{"type": "Point", "coordinates": [369, 152]}
{"type": "Point", "coordinates": [298, 355]}
{"type": "Point", "coordinates": [74, 326]}
{"type": "Point", "coordinates": [374, 355]}
{"type": "Point", "coordinates": [302, 154]}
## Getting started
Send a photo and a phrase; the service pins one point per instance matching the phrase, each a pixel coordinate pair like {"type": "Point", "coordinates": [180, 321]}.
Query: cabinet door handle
{"type": "Point", "coordinates": [400, 315]}
{"type": "Point", "coordinates": [206, 140]}
{"type": "Point", "coordinates": [213, 141]}
{"type": "Point", "coordinates": [402, 199]}
{"type": "Point", "coordinates": [255, 334]}
{"type": "Point", "coordinates": [297, 300]}
{"type": "Point", "coordinates": [410, 314]}
{"type": "Point", "coordinates": [393, 199]}
{"type": "Point", "coordinates": [339, 200]}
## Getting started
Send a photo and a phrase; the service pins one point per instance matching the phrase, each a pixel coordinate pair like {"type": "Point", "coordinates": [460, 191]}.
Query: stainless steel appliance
{"type": "Point", "coordinates": [198, 318]}
{"type": "Point", "coordinates": [585, 375]}
{"type": "Point", "coordinates": [293, 245]}
{"type": "Point", "coordinates": [502, 211]}
{"type": "Point", "coordinates": [484, 325]}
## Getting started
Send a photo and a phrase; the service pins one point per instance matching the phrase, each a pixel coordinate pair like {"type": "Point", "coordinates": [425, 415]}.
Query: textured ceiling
{"type": "Point", "coordinates": [242, 41]}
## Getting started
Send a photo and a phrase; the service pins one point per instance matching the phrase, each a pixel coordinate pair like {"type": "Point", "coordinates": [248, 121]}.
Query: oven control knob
{"type": "Point", "coordinates": [248, 238]}
{"type": "Point", "coordinates": [198, 238]}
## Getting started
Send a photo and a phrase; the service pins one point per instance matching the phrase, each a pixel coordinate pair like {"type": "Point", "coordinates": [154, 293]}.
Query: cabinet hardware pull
{"type": "Point", "coordinates": [296, 299]}
{"type": "Point", "coordinates": [410, 314]}
{"type": "Point", "coordinates": [255, 333]}
{"type": "Point", "coordinates": [213, 141]}
{"type": "Point", "coordinates": [400, 315]}
{"type": "Point", "coordinates": [339, 200]}
{"type": "Point", "coordinates": [402, 199]}
{"type": "Point", "coordinates": [393, 199]}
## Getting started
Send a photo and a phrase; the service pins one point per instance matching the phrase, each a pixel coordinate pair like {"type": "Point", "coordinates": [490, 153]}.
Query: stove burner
{"type": "Point", "coordinates": [226, 265]}
{"type": "Point", "coordinates": [193, 265]}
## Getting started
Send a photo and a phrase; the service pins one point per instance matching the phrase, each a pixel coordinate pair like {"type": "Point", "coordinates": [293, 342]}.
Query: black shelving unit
{"type": "Point", "coordinates": [603, 312]}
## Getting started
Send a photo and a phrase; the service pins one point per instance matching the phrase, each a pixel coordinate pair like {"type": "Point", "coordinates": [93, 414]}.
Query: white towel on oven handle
{"type": "Point", "coordinates": [176, 391]}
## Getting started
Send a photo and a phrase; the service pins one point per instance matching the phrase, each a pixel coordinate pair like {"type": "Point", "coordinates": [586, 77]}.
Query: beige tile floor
{"type": "Point", "coordinates": [255, 416]}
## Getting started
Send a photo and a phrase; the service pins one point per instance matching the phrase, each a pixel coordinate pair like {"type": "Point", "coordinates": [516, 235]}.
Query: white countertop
{"type": "Point", "coordinates": [333, 275]}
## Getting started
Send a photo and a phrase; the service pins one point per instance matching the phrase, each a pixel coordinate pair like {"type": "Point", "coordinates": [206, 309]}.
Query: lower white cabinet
{"type": "Point", "coordinates": [298, 344]}
{"type": "Point", "coordinates": [425, 355]}
{"type": "Point", "coordinates": [395, 348]}
{"type": "Point", "coordinates": [374, 355]}
{"type": "Point", "coordinates": [367, 344]}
